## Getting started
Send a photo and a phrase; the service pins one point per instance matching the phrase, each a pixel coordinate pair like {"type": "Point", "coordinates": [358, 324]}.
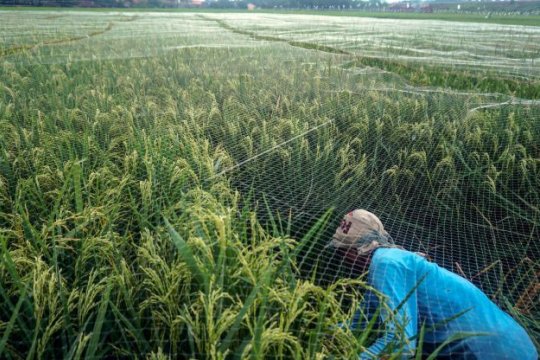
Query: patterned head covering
{"type": "Point", "coordinates": [362, 230]}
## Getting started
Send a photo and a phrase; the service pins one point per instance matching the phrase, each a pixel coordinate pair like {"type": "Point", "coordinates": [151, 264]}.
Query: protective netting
{"type": "Point", "coordinates": [243, 130]}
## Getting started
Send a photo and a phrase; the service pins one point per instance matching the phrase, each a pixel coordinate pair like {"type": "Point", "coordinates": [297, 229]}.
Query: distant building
{"type": "Point", "coordinates": [401, 7]}
{"type": "Point", "coordinates": [410, 7]}
{"type": "Point", "coordinates": [426, 8]}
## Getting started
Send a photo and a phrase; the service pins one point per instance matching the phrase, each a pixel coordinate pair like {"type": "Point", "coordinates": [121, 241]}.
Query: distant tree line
{"type": "Point", "coordinates": [289, 4]}
{"type": "Point", "coordinates": [97, 3]}
{"type": "Point", "coordinates": [64, 3]}
{"type": "Point", "coordinates": [485, 6]}
{"type": "Point", "coordinates": [297, 4]}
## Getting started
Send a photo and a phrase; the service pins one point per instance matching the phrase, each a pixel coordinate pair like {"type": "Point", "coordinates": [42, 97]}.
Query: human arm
{"type": "Point", "coordinates": [395, 279]}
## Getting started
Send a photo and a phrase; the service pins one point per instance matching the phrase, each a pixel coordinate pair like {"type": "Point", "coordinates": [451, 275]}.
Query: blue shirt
{"type": "Point", "coordinates": [439, 295]}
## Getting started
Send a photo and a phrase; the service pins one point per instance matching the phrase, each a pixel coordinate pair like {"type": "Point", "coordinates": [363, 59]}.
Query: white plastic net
{"type": "Point", "coordinates": [243, 130]}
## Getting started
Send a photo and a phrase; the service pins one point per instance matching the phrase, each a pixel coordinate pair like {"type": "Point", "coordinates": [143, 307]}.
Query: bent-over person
{"type": "Point", "coordinates": [444, 303]}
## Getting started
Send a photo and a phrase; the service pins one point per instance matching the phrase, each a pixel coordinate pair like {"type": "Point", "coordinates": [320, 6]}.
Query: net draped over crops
{"type": "Point", "coordinates": [169, 181]}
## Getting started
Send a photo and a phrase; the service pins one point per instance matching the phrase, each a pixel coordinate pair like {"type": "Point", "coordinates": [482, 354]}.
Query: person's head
{"type": "Point", "coordinates": [358, 235]}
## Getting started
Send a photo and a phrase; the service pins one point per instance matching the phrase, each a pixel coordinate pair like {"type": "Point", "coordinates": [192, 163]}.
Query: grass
{"type": "Point", "coordinates": [170, 194]}
{"type": "Point", "coordinates": [526, 20]}
{"type": "Point", "coordinates": [429, 75]}
{"type": "Point", "coordinates": [455, 78]}
{"type": "Point", "coordinates": [511, 19]}
{"type": "Point", "coordinates": [508, 19]}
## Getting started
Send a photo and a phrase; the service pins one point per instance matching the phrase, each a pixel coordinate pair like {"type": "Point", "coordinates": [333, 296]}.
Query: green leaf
{"type": "Point", "coordinates": [76, 172]}
{"type": "Point", "coordinates": [188, 257]}
{"type": "Point", "coordinates": [225, 344]}
{"type": "Point", "coordinates": [456, 337]}
{"type": "Point", "coordinates": [420, 343]}
{"type": "Point", "coordinates": [11, 323]}
{"type": "Point", "coordinates": [98, 325]}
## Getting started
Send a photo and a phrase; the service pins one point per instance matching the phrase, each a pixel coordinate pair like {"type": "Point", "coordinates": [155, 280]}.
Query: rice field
{"type": "Point", "coordinates": [168, 181]}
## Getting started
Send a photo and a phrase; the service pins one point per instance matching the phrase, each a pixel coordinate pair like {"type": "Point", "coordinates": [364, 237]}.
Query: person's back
{"type": "Point", "coordinates": [447, 305]}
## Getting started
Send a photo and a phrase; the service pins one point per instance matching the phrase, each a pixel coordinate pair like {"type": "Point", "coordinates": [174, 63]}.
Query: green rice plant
{"type": "Point", "coordinates": [242, 136]}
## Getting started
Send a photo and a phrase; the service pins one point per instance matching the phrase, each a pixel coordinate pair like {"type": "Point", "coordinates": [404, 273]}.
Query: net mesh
{"type": "Point", "coordinates": [243, 130]}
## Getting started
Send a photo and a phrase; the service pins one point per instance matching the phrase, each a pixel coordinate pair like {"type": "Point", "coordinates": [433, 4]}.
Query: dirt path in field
{"type": "Point", "coordinates": [300, 44]}
{"type": "Point", "coordinates": [19, 48]}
